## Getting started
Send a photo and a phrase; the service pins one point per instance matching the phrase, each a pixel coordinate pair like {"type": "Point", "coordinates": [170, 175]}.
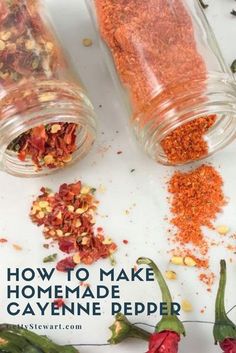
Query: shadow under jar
{"type": "Point", "coordinates": [46, 120]}
{"type": "Point", "coordinates": [181, 94]}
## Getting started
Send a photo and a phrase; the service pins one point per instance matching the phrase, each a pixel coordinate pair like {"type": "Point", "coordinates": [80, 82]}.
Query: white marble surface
{"type": "Point", "coordinates": [144, 226]}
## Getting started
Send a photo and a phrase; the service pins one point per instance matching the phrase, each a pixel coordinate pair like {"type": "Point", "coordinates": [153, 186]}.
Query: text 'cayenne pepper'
{"type": "Point", "coordinates": [196, 199]}
{"type": "Point", "coordinates": [68, 217]}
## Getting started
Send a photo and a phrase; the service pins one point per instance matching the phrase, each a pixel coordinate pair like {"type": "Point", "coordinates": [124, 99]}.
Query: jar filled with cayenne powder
{"type": "Point", "coordinates": [46, 120]}
{"type": "Point", "coordinates": [181, 94]}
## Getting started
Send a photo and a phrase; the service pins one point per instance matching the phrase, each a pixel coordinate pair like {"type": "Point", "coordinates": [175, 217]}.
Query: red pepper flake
{"type": "Point", "coordinates": [17, 247]}
{"type": "Point", "coordinates": [3, 240]}
{"type": "Point", "coordinates": [125, 241]}
{"type": "Point", "coordinates": [66, 264]}
{"type": "Point", "coordinates": [208, 279]}
{"type": "Point", "coordinates": [59, 303]}
{"type": "Point", "coordinates": [197, 198]}
{"type": "Point", "coordinates": [68, 217]}
{"type": "Point", "coordinates": [47, 146]}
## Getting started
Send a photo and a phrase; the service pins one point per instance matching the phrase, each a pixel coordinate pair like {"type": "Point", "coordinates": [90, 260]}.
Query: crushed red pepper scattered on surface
{"type": "Point", "coordinates": [196, 199]}
{"type": "Point", "coordinates": [17, 247]}
{"type": "Point", "coordinates": [3, 240]}
{"type": "Point", "coordinates": [59, 303]}
{"type": "Point", "coordinates": [68, 217]}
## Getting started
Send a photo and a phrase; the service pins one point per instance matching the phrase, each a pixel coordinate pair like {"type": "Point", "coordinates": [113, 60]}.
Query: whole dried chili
{"type": "Point", "coordinates": [169, 330]}
{"type": "Point", "coordinates": [29, 53]}
{"type": "Point", "coordinates": [196, 199]}
{"type": "Point", "coordinates": [224, 328]}
{"type": "Point", "coordinates": [156, 55]}
{"type": "Point", "coordinates": [68, 217]}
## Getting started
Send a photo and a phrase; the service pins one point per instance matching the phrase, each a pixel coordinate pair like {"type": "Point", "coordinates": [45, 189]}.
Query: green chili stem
{"type": "Point", "coordinates": [224, 327]}
{"type": "Point", "coordinates": [123, 329]}
{"type": "Point", "coordinates": [168, 322]}
{"type": "Point", "coordinates": [25, 338]}
{"type": "Point", "coordinates": [220, 299]}
{"type": "Point", "coordinates": [137, 332]}
{"type": "Point", "coordinates": [166, 296]}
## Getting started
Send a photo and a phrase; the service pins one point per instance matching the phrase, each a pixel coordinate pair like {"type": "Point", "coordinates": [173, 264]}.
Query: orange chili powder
{"type": "Point", "coordinates": [155, 52]}
{"type": "Point", "coordinates": [196, 199]}
{"type": "Point", "coordinates": [187, 143]}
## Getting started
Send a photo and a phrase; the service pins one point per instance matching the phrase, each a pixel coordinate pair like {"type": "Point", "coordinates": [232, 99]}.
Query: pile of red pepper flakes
{"type": "Point", "coordinates": [68, 217]}
{"type": "Point", "coordinates": [51, 145]}
{"type": "Point", "coordinates": [196, 199]}
{"type": "Point", "coordinates": [187, 143]}
{"type": "Point", "coordinates": [28, 52]}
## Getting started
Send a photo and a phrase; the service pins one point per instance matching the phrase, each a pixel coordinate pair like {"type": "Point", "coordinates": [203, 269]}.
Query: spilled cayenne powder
{"type": "Point", "coordinates": [196, 199]}
{"type": "Point", "coordinates": [68, 218]}
{"type": "Point", "coordinates": [154, 48]}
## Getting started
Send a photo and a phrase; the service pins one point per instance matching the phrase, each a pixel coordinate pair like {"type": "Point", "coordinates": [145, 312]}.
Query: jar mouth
{"type": "Point", "coordinates": [71, 106]}
{"type": "Point", "coordinates": [165, 116]}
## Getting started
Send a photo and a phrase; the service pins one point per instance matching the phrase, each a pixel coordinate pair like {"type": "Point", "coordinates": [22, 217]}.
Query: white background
{"type": "Point", "coordinates": [144, 226]}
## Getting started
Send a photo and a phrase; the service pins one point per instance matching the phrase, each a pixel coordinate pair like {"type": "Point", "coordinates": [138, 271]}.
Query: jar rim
{"type": "Point", "coordinates": [162, 118]}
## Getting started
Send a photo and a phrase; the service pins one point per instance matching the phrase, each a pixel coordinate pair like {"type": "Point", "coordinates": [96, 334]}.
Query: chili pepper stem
{"type": "Point", "coordinates": [168, 322]}
{"type": "Point", "coordinates": [22, 338]}
{"type": "Point", "coordinates": [224, 327]}
{"type": "Point", "coordinates": [123, 329]}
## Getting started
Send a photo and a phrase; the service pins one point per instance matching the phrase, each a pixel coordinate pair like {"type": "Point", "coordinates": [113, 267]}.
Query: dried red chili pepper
{"type": "Point", "coordinates": [68, 217]}
{"type": "Point", "coordinates": [170, 328]}
{"type": "Point", "coordinates": [224, 329]}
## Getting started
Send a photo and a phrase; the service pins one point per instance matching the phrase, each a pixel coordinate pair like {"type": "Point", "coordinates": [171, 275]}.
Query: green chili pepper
{"type": "Point", "coordinates": [18, 340]}
{"type": "Point", "coordinates": [168, 322]}
{"type": "Point", "coordinates": [224, 328]}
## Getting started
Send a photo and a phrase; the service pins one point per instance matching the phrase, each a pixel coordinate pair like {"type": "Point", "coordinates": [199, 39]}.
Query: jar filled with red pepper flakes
{"type": "Point", "coordinates": [180, 91]}
{"type": "Point", "coordinates": [46, 120]}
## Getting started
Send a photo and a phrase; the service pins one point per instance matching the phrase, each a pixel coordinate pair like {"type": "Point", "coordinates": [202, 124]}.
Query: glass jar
{"type": "Point", "coordinates": [46, 119]}
{"type": "Point", "coordinates": [180, 92]}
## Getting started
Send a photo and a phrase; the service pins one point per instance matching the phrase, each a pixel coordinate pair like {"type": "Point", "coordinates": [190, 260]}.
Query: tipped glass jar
{"type": "Point", "coordinates": [181, 94]}
{"type": "Point", "coordinates": [46, 119]}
